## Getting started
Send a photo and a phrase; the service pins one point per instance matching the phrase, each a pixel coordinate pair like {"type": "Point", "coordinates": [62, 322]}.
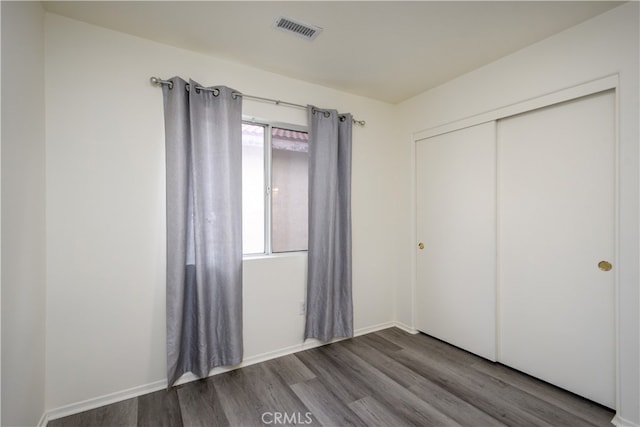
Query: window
{"type": "Point", "coordinates": [275, 163]}
{"type": "Point", "coordinates": [253, 189]}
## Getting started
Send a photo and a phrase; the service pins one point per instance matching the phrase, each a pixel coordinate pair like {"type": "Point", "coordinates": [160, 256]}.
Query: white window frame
{"type": "Point", "coordinates": [268, 125]}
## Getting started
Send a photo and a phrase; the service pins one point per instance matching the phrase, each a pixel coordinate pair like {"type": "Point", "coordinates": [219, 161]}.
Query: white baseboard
{"type": "Point", "coordinates": [374, 328]}
{"type": "Point", "coordinates": [406, 328]}
{"type": "Point", "coordinates": [119, 396]}
{"type": "Point", "coordinates": [106, 399]}
{"type": "Point", "coordinates": [44, 419]}
{"type": "Point", "coordinates": [263, 357]}
{"type": "Point", "coordinates": [621, 422]}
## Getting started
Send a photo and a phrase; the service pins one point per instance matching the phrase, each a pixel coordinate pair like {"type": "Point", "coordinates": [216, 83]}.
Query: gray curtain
{"type": "Point", "coordinates": [204, 228]}
{"type": "Point", "coordinates": [329, 302]}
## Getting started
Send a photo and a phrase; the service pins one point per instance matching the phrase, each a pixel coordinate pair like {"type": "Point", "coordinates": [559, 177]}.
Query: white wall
{"type": "Point", "coordinates": [23, 214]}
{"type": "Point", "coordinates": [106, 210]}
{"type": "Point", "coordinates": [604, 45]}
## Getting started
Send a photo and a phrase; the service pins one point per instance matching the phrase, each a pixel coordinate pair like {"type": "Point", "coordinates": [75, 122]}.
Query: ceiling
{"type": "Point", "coordinates": [385, 50]}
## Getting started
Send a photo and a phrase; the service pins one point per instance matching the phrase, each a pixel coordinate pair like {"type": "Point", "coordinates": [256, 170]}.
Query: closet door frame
{"type": "Point", "coordinates": [574, 92]}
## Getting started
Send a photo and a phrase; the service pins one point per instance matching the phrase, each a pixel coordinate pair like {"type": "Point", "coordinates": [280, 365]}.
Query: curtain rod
{"type": "Point", "coordinates": [158, 82]}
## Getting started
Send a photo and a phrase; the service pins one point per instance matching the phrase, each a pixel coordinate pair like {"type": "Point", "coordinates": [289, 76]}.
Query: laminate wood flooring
{"type": "Point", "coordinates": [386, 378]}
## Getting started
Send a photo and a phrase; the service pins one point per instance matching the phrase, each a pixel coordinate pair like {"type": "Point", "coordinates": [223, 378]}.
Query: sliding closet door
{"type": "Point", "coordinates": [556, 245]}
{"type": "Point", "coordinates": [456, 226]}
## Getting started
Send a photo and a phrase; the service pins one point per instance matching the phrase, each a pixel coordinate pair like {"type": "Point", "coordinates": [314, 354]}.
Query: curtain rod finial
{"type": "Point", "coordinates": [159, 82]}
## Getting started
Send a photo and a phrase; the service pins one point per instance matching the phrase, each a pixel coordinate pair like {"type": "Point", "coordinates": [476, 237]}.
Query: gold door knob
{"type": "Point", "coordinates": [604, 265]}
{"type": "Point", "coordinates": [421, 245]}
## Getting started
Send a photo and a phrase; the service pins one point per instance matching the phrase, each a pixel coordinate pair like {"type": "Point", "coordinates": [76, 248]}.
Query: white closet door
{"type": "Point", "coordinates": [556, 224]}
{"type": "Point", "coordinates": [456, 223]}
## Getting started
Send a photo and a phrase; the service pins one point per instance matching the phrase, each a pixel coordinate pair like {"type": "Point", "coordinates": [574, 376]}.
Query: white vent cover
{"type": "Point", "coordinates": [293, 26]}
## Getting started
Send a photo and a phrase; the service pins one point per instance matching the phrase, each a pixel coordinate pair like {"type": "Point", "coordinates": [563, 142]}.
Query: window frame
{"type": "Point", "coordinates": [268, 125]}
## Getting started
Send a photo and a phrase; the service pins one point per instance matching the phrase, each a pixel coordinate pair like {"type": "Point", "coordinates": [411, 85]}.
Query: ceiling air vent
{"type": "Point", "coordinates": [296, 27]}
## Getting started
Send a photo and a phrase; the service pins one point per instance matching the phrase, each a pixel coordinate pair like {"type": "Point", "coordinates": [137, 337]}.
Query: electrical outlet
{"type": "Point", "coordinates": [302, 309]}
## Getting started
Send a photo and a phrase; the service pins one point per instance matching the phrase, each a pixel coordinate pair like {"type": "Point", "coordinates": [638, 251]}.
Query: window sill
{"type": "Point", "coordinates": [250, 257]}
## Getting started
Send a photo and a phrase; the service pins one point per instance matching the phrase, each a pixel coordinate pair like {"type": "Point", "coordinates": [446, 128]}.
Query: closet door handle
{"type": "Point", "coordinates": [605, 265]}
{"type": "Point", "coordinates": [421, 245]}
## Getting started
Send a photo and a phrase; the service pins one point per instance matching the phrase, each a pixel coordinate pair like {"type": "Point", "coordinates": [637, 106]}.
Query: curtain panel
{"type": "Point", "coordinates": [204, 228]}
{"type": "Point", "coordinates": [329, 311]}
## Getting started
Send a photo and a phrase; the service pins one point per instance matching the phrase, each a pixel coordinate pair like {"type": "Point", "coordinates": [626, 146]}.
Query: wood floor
{"type": "Point", "coordinates": [386, 378]}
